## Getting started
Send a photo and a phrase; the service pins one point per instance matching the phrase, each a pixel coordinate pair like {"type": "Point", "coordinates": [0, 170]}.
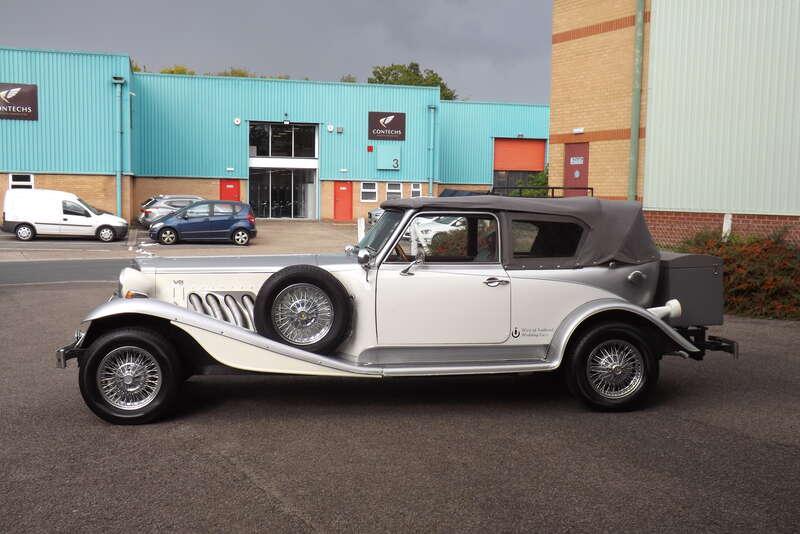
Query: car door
{"type": "Point", "coordinates": [197, 222]}
{"type": "Point", "coordinates": [458, 295]}
{"type": "Point", "coordinates": [222, 220]}
{"type": "Point", "coordinates": [75, 219]}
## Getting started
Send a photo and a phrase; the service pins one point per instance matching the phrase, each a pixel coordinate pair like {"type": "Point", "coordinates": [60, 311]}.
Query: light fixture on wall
{"type": "Point", "coordinates": [286, 119]}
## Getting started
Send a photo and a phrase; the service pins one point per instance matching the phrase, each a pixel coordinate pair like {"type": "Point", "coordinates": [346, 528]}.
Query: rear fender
{"type": "Point", "coordinates": [620, 310]}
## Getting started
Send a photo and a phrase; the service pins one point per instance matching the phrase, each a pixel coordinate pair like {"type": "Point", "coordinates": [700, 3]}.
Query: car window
{"type": "Point", "coordinates": [178, 203]}
{"type": "Point", "coordinates": [73, 208]}
{"type": "Point", "coordinates": [223, 209]}
{"type": "Point", "coordinates": [450, 239]}
{"type": "Point", "coordinates": [545, 239]}
{"type": "Point", "coordinates": [199, 210]}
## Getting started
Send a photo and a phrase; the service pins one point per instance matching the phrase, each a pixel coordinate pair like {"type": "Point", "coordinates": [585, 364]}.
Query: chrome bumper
{"type": "Point", "coordinates": [68, 352]}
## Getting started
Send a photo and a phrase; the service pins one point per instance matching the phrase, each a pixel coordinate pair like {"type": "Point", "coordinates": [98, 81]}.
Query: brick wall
{"type": "Point", "coordinates": [97, 190]}
{"type": "Point", "coordinates": [144, 187]}
{"type": "Point", "coordinates": [672, 227]}
{"type": "Point", "coordinates": [360, 209]}
{"type": "Point", "coordinates": [592, 70]}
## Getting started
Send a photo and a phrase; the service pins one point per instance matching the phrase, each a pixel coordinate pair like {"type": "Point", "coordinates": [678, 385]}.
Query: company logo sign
{"type": "Point", "coordinates": [19, 101]}
{"type": "Point", "coordinates": [387, 125]}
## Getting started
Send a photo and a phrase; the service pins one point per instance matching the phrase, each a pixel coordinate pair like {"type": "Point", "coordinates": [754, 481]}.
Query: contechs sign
{"type": "Point", "coordinates": [19, 101]}
{"type": "Point", "coordinates": [387, 125]}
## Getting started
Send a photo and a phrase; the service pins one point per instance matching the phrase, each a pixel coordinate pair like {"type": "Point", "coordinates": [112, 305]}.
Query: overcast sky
{"type": "Point", "coordinates": [486, 50]}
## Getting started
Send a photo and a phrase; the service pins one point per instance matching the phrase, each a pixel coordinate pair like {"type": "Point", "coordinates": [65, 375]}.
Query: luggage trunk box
{"type": "Point", "coordinates": [696, 281]}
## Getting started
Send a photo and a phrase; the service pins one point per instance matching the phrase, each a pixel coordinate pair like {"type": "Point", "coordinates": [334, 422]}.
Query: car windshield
{"type": "Point", "coordinates": [90, 207]}
{"type": "Point", "coordinates": [381, 231]}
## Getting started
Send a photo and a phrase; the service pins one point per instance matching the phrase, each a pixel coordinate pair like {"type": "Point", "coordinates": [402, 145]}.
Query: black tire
{"type": "Point", "coordinates": [305, 274]}
{"type": "Point", "coordinates": [25, 232]}
{"type": "Point", "coordinates": [167, 236]}
{"type": "Point", "coordinates": [106, 234]}
{"type": "Point", "coordinates": [612, 336]}
{"type": "Point", "coordinates": [240, 237]}
{"type": "Point", "coordinates": [162, 352]}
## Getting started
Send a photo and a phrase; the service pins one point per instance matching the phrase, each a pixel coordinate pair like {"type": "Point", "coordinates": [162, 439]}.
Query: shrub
{"type": "Point", "coordinates": [762, 275]}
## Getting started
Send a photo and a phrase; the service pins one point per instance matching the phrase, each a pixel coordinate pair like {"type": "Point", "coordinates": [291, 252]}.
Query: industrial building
{"type": "Point", "coordinates": [86, 123]}
{"type": "Point", "coordinates": [710, 91]}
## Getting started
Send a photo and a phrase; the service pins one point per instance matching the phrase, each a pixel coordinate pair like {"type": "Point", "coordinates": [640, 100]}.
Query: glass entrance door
{"type": "Point", "coordinates": [283, 193]}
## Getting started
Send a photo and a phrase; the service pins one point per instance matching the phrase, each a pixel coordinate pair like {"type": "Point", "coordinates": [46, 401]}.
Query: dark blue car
{"type": "Point", "coordinates": [207, 220]}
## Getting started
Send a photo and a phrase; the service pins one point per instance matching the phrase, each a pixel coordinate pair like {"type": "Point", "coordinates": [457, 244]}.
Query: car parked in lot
{"type": "Point", "coordinates": [517, 286]}
{"type": "Point", "coordinates": [28, 213]}
{"type": "Point", "coordinates": [207, 220]}
{"type": "Point", "coordinates": [158, 206]}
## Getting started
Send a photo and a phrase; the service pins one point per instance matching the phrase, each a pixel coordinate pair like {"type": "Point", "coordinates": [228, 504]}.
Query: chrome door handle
{"type": "Point", "coordinates": [494, 282]}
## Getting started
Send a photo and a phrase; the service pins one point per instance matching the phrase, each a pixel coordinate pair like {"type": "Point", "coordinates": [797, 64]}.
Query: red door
{"type": "Point", "coordinates": [229, 190]}
{"type": "Point", "coordinates": [342, 201]}
{"type": "Point", "coordinates": [576, 168]}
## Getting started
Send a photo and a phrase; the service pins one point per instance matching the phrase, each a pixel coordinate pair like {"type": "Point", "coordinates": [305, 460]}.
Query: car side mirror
{"type": "Point", "coordinates": [364, 258]}
{"type": "Point", "coordinates": [419, 259]}
{"type": "Point", "coordinates": [350, 249]}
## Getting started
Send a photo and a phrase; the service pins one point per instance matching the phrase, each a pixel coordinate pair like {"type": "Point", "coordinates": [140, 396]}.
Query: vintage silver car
{"type": "Point", "coordinates": [438, 286]}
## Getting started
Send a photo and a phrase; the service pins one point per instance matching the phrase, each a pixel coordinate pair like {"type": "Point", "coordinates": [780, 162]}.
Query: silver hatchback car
{"type": "Point", "coordinates": [161, 205]}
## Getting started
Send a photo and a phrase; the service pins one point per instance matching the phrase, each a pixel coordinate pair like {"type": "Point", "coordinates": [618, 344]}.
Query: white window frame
{"type": "Point", "coordinates": [31, 182]}
{"type": "Point", "coordinates": [416, 188]}
{"type": "Point", "coordinates": [372, 189]}
{"type": "Point", "coordinates": [398, 190]}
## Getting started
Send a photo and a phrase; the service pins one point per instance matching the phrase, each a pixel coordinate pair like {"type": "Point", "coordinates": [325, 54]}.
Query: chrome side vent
{"type": "Point", "coordinates": [235, 307]}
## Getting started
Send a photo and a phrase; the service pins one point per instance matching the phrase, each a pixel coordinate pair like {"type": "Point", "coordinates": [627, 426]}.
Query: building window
{"type": "Point", "coordinates": [394, 190]}
{"type": "Point", "coordinates": [20, 181]}
{"type": "Point", "coordinates": [369, 191]}
{"type": "Point", "coordinates": [416, 190]}
{"type": "Point", "coordinates": [280, 140]}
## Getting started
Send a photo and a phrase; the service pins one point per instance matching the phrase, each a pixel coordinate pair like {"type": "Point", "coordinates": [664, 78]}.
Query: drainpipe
{"type": "Point", "coordinates": [636, 100]}
{"type": "Point", "coordinates": [119, 81]}
{"type": "Point", "coordinates": [431, 154]}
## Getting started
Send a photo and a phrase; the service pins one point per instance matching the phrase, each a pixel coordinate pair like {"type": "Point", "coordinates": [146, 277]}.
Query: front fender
{"type": "Point", "coordinates": [232, 345]}
{"type": "Point", "coordinates": [571, 322]}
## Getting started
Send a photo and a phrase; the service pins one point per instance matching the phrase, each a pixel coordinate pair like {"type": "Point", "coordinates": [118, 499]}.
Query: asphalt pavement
{"type": "Point", "coordinates": [60, 271]}
{"type": "Point", "coordinates": [716, 450]}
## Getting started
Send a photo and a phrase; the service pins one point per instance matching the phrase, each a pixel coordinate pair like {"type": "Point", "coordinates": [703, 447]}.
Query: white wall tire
{"type": "Point", "coordinates": [25, 232]}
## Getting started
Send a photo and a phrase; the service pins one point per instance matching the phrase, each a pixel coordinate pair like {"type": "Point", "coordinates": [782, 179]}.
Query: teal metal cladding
{"type": "Point", "coordinates": [76, 132]}
{"type": "Point", "coordinates": [183, 126]}
{"type": "Point", "coordinates": [467, 131]}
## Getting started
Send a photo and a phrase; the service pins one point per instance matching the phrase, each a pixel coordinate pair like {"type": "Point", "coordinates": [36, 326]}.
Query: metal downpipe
{"type": "Point", "coordinates": [118, 83]}
{"type": "Point", "coordinates": [636, 100]}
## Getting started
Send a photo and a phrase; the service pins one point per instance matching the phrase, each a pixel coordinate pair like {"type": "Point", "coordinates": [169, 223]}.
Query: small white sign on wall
{"type": "Point", "coordinates": [576, 160]}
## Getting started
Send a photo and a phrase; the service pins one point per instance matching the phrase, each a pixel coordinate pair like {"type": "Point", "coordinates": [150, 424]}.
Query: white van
{"type": "Point", "coordinates": [31, 212]}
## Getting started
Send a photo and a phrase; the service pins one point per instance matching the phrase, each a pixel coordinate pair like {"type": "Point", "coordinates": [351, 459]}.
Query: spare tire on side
{"type": "Point", "coordinates": [305, 307]}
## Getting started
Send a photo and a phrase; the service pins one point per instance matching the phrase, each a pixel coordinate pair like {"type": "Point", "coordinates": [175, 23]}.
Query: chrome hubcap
{"type": "Point", "coordinates": [129, 378]}
{"type": "Point", "coordinates": [168, 236]}
{"type": "Point", "coordinates": [24, 232]}
{"type": "Point", "coordinates": [302, 314]}
{"type": "Point", "coordinates": [240, 237]}
{"type": "Point", "coordinates": [615, 369]}
{"type": "Point", "coordinates": [106, 234]}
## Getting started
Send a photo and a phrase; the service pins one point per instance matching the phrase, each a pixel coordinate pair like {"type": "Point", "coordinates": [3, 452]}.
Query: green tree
{"type": "Point", "coordinates": [411, 74]}
{"type": "Point", "coordinates": [178, 69]}
{"type": "Point", "coordinates": [135, 67]}
{"type": "Point", "coordinates": [236, 72]}
{"type": "Point", "coordinates": [348, 78]}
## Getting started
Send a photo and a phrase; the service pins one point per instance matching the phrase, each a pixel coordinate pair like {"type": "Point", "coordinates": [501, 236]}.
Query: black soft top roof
{"type": "Point", "coordinates": [617, 229]}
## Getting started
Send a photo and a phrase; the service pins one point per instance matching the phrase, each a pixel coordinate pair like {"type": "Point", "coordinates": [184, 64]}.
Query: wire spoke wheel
{"type": "Point", "coordinates": [302, 314]}
{"type": "Point", "coordinates": [129, 378]}
{"type": "Point", "coordinates": [615, 369]}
